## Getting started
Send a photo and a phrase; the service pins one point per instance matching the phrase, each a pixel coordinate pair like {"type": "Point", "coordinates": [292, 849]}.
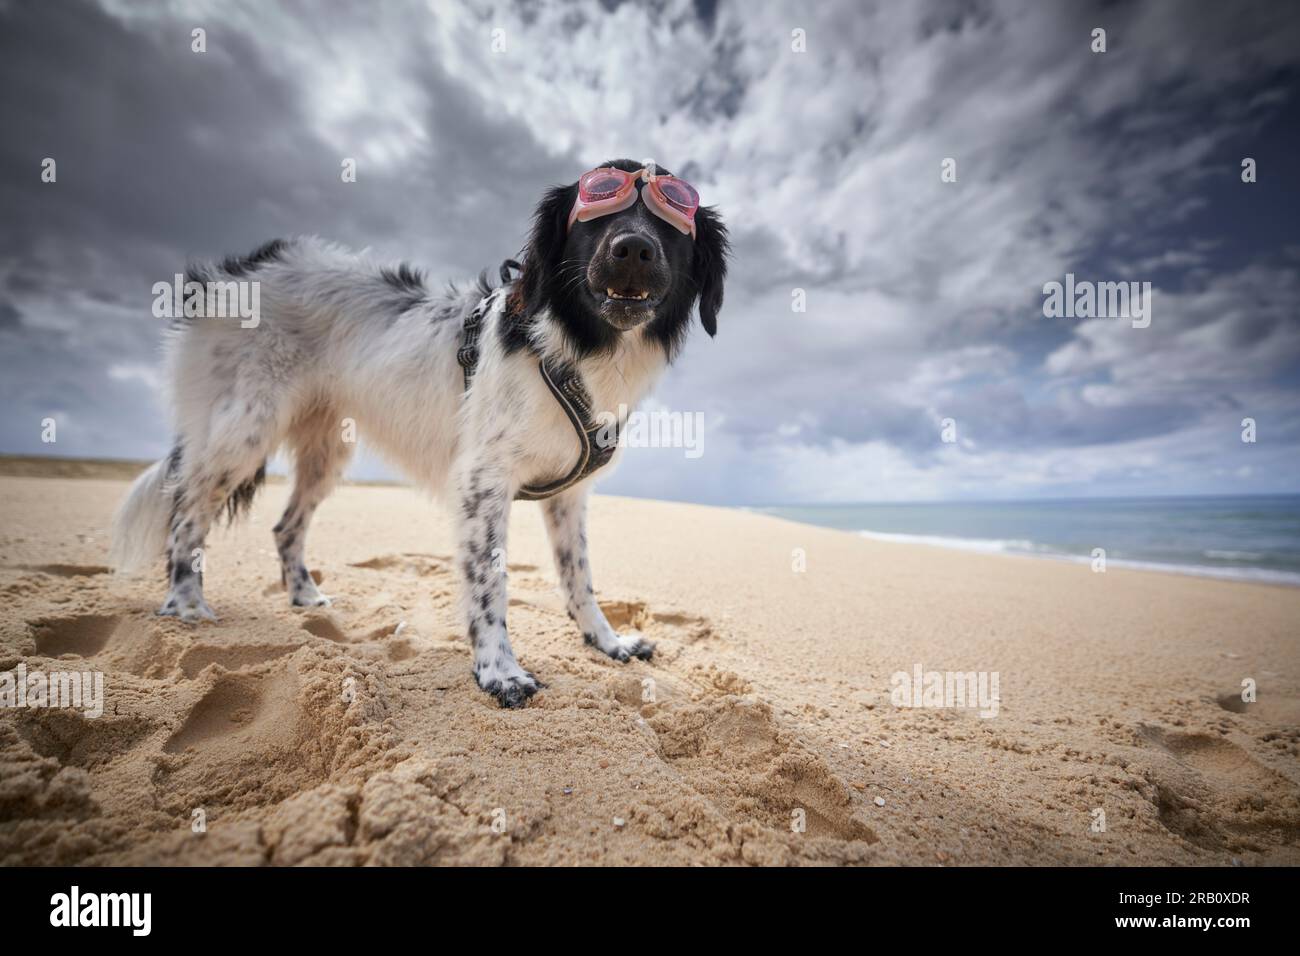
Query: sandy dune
{"type": "Point", "coordinates": [355, 735]}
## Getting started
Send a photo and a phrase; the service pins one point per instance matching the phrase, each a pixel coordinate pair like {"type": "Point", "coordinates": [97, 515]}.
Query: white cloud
{"type": "Point", "coordinates": [147, 375]}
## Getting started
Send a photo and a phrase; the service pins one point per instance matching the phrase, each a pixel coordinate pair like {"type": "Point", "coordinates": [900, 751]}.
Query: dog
{"type": "Point", "coordinates": [481, 395]}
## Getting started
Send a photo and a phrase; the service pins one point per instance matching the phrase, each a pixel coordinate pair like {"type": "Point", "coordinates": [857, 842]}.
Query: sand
{"type": "Point", "coordinates": [763, 731]}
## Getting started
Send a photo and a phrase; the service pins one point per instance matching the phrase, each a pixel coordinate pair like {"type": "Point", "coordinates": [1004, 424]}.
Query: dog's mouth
{"type": "Point", "coordinates": [629, 296]}
{"type": "Point", "coordinates": [625, 308]}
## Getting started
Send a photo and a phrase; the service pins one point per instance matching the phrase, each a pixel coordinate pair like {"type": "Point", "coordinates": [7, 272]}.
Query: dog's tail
{"type": "Point", "coordinates": [143, 520]}
{"type": "Point", "coordinates": [141, 524]}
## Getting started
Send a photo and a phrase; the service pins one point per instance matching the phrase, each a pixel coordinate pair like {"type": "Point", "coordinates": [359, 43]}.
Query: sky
{"type": "Point", "coordinates": [820, 133]}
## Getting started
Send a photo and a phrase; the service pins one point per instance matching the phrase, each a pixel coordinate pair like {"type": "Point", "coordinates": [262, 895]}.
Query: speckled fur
{"type": "Point", "coordinates": [345, 343]}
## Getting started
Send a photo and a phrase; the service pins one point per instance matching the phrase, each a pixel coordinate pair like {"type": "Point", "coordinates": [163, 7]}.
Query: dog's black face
{"type": "Point", "coordinates": [631, 257]}
{"type": "Point", "coordinates": [618, 272]}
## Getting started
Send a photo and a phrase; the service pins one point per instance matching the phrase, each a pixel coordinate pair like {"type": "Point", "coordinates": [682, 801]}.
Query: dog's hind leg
{"type": "Point", "coordinates": [194, 508]}
{"type": "Point", "coordinates": [221, 463]}
{"type": "Point", "coordinates": [320, 453]}
{"type": "Point", "coordinates": [566, 523]}
{"type": "Point", "coordinates": [206, 484]}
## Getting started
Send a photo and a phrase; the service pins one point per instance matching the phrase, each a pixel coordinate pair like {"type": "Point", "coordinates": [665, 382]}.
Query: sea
{"type": "Point", "coordinates": [1243, 537]}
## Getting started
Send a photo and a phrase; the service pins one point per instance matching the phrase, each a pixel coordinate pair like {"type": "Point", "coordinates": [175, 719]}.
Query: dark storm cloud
{"type": "Point", "coordinates": [165, 155]}
{"type": "Point", "coordinates": [161, 154]}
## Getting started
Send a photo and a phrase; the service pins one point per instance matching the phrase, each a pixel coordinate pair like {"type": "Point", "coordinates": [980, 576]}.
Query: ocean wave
{"type": "Point", "coordinates": [1022, 548]}
{"type": "Point", "coordinates": [986, 545]}
{"type": "Point", "coordinates": [1260, 575]}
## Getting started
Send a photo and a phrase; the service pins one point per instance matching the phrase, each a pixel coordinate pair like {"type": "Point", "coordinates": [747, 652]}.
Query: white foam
{"type": "Point", "coordinates": [1021, 548]}
{"type": "Point", "coordinates": [985, 545]}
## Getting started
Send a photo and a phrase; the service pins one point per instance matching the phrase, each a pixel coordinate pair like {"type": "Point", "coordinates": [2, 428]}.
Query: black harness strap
{"type": "Point", "coordinates": [467, 354]}
{"type": "Point", "coordinates": [565, 383]}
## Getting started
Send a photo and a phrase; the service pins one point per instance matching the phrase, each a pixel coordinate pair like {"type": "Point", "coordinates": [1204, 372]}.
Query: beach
{"type": "Point", "coordinates": [769, 728]}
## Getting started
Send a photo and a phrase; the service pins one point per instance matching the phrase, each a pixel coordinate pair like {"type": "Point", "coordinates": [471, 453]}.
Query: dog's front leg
{"type": "Point", "coordinates": [566, 521]}
{"type": "Point", "coordinates": [484, 517]}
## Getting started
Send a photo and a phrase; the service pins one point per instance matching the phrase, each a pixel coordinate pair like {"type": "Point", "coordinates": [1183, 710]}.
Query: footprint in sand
{"type": "Point", "coordinates": [84, 636]}
{"type": "Point", "coordinates": [68, 570]}
{"type": "Point", "coordinates": [727, 746]}
{"type": "Point", "coordinates": [251, 739]}
{"type": "Point", "coordinates": [382, 640]}
{"type": "Point", "coordinates": [1215, 795]}
{"type": "Point", "coordinates": [1271, 707]}
{"type": "Point", "coordinates": [421, 565]}
{"type": "Point", "coordinates": [75, 740]}
{"type": "Point", "coordinates": [322, 625]}
{"type": "Point", "coordinates": [395, 639]}
{"type": "Point", "coordinates": [240, 710]}
{"type": "Point", "coordinates": [231, 657]}
{"type": "Point", "coordinates": [1232, 703]}
{"type": "Point", "coordinates": [626, 614]}
{"type": "Point", "coordinates": [732, 752]}
{"type": "Point", "coordinates": [685, 629]}
{"type": "Point", "coordinates": [134, 644]}
{"type": "Point", "coordinates": [1207, 754]}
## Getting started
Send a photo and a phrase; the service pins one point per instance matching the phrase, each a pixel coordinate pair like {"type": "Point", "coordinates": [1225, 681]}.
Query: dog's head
{"type": "Point", "coordinates": [622, 271]}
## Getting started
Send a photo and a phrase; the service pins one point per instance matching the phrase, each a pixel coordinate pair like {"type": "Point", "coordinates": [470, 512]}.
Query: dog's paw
{"type": "Point", "coordinates": [509, 683]}
{"type": "Point", "coordinates": [621, 647]}
{"type": "Point", "coordinates": [190, 610]}
{"type": "Point", "coordinates": [303, 591]}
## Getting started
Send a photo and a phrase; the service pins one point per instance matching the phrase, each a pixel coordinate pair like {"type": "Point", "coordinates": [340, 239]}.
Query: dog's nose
{"type": "Point", "coordinates": [632, 265]}
{"type": "Point", "coordinates": [633, 247]}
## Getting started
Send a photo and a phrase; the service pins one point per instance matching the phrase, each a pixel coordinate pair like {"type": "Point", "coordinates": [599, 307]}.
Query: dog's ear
{"type": "Point", "coordinates": [709, 268]}
{"type": "Point", "coordinates": [545, 250]}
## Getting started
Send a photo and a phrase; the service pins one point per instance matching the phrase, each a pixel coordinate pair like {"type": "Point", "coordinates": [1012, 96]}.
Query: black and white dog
{"type": "Point", "coordinates": [487, 394]}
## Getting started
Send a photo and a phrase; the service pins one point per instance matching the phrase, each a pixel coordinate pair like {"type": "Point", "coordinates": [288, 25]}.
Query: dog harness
{"type": "Point", "coordinates": [565, 383]}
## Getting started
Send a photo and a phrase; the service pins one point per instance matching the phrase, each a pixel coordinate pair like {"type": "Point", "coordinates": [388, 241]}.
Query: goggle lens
{"type": "Point", "coordinates": [680, 194]}
{"type": "Point", "coordinates": [601, 185]}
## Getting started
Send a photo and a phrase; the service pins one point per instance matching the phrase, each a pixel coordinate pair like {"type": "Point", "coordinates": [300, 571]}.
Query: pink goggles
{"type": "Point", "coordinates": [609, 190]}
